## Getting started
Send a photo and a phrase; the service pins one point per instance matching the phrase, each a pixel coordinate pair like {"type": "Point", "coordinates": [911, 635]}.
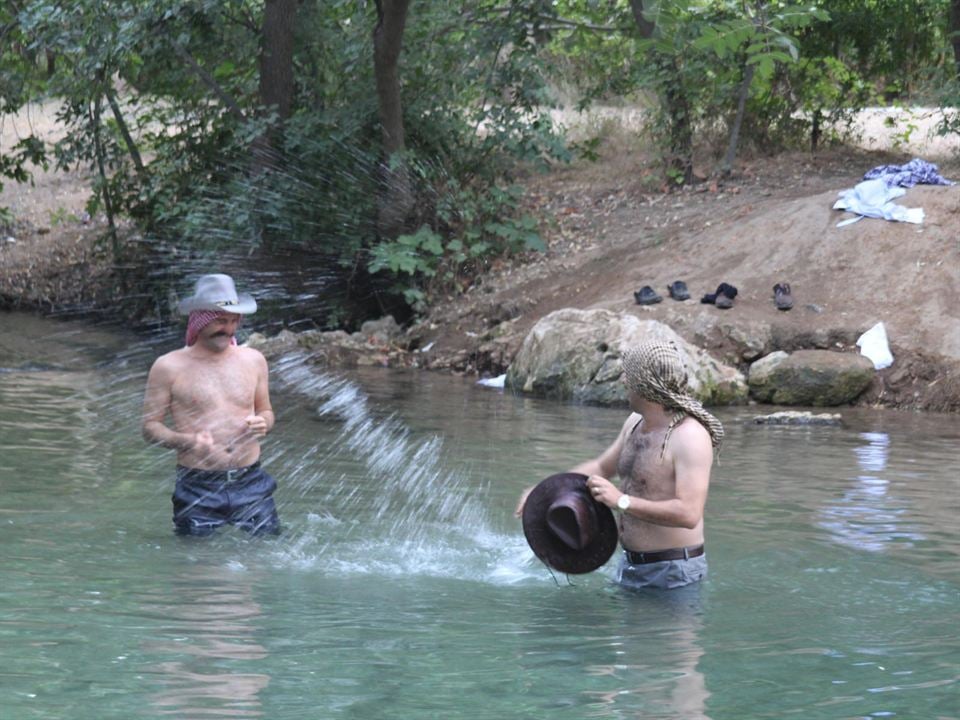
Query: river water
{"type": "Point", "coordinates": [402, 586]}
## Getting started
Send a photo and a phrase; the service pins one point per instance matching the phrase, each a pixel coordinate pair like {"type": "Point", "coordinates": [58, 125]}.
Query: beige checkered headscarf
{"type": "Point", "coordinates": [655, 371]}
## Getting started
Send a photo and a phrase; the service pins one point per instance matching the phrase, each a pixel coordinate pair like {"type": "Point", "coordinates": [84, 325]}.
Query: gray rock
{"type": "Point", "coordinates": [575, 354]}
{"type": "Point", "coordinates": [809, 377]}
{"type": "Point", "coordinates": [383, 331]}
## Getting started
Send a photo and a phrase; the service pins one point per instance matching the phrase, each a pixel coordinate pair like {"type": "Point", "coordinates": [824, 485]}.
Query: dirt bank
{"type": "Point", "coordinates": [611, 230]}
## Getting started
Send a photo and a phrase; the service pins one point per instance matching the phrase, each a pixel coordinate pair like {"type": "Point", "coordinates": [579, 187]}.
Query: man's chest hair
{"type": "Point", "coordinates": [202, 385]}
{"type": "Point", "coordinates": [641, 467]}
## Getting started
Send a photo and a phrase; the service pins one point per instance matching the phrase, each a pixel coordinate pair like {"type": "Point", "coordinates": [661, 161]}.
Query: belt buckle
{"type": "Point", "coordinates": [232, 475]}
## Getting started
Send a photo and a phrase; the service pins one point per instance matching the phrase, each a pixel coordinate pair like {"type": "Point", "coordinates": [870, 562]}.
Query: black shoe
{"type": "Point", "coordinates": [782, 297]}
{"type": "Point", "coordinates": [709, 299]}
{"type": "Point", "coordinates": [646, 296]}
{"type": "Point", "coordinates": [729, 290]}
{"type": "Point", "coordinates": [723, 301]}
{"type": "Point", "coordinates": [678, 290]}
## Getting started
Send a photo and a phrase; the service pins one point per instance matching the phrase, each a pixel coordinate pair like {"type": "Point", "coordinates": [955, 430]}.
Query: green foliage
{"type": "Point", "coordinates": [160, 99]}
{"type": "Point", "coordinates": [471, 229]}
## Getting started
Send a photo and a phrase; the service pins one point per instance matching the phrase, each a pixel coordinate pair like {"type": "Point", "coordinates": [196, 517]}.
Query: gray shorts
{"type": "Point", "coordinates": [664, 575]}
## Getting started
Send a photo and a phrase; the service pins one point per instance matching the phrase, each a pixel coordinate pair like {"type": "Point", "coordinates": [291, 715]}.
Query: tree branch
{"type": "Point", "coordinates": [232, 105]}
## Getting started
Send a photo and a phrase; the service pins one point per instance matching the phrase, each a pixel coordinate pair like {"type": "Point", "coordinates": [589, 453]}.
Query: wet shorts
{"type": "Point", "coordinates": [665, 575]}
{"type": "Point", "coordinates": [204, 500]}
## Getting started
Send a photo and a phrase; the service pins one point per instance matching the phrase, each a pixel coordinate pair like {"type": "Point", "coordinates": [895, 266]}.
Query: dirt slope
{"type": "Point", "coordinates": [772, 223]}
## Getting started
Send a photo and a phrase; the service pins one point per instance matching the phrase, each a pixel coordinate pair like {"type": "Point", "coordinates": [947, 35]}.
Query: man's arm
{"type": "Point", "coordinates": [156, 405]}
{"type": "Point", "coordinates": [692, 460]}
{"type": "Point", "coordinates": [263, 419]}
{"type": "Point", "coordinates": [604, 465]}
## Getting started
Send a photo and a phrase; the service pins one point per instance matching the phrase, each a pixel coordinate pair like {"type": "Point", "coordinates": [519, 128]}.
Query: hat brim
{"type": "Point", "coordinates": [549, 548]}
{"type": "Point", "coordinates": [245, 305]}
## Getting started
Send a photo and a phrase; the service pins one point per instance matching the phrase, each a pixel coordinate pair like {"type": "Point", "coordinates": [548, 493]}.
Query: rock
{"type": "Point", "coordinates": [334, 349]}
{"type": "Point", "coordinates": [792, 417]}
{"type": "Point", "coordinates": [809, 377]}
{"type": "Point", "coordinates": [575, 354]}
{"type": "Point", "coordinates": [751, 339]}
{"type": "Point", "coordinates": [283, 342]}
{"type": "Point", "coordinates": [382, 332]}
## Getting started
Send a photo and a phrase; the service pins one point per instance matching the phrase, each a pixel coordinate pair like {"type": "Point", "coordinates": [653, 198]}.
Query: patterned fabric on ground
{"type": "Point", "coordinates": [915, 172]}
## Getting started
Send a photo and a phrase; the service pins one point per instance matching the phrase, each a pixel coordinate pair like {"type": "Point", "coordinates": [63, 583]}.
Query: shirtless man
{"type": "Point", "coordinates": [663, 457]}
{"type": "Point", "coordinates": [218, 399]}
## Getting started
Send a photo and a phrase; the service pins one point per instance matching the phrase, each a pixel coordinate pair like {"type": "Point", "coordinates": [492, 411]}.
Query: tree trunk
{"type": "Point", "coordinates": [124, 130]}
{"type": "Point", "coordinates": [955, 33]}
{"type": "Point", "coordinates": [396, 199]}
{"type": "Point", "coordinates": [675, 102]}
{"type": "Point", "coordinates": [276, 77]}
{"type": "Point", "coordinates": [276, 56]}
{"type": "Point", "coordinates": [728, 159]}
{"type": "Point", "coordinates": [677, 105]}
{"type": "Point", "coordinates": [645, 26]}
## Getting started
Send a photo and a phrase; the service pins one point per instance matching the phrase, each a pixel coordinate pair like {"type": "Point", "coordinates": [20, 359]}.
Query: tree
{"type": "Point", "coordinates": [276, 75]}
{"type": "Point", "coordinates": [396, 198]}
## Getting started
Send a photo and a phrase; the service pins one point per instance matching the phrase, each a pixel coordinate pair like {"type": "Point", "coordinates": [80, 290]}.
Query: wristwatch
{"type": "Point", "coordinates": [624, 502]}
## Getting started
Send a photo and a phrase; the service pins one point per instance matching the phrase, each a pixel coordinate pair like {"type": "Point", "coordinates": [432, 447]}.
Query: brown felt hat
{"type": "Point", "coordinates": [566, 528]}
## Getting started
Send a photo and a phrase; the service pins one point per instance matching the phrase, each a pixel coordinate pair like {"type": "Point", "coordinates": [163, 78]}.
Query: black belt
{"type": "Point", "coordinates": [643, 558]}
{"type": "Point", "coordinates": [215, 476]}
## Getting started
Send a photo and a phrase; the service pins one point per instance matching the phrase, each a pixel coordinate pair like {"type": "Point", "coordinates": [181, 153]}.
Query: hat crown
{"type": "Point", "coordinates": [217, 289]}
{"type": "Point", "coordinates": [218, 293]}
{"type": "Point", "coordinates": [572, 519]}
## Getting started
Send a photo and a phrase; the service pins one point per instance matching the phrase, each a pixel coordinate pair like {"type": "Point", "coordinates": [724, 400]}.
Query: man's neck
{"type": "Point", "coordinates": [655, 416]}
{"type": "Point", "coordinates": [203, 352]}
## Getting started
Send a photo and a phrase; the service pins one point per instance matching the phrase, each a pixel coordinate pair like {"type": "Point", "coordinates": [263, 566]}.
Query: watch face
{"type": "Point", "coordinates": [624, 502]}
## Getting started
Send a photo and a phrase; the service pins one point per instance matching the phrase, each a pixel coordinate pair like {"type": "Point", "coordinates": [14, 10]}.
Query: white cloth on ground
{"type": "Point", "coordinates": [873, 198]}
{"type": "Point", "coordinates": [873, 345]}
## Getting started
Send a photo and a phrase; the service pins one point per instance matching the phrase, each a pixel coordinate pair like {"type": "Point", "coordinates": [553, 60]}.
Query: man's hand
{"type": "Point", "coordinates": [256, 425]}
{"type": "Point", "coordinates": [202, 442]}
{"type": "Point", "coordinates": [523, 501]}
{"type": "Point", "coordinates": [603, 490]}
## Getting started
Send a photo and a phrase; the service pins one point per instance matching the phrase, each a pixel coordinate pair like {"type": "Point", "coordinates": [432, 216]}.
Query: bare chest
{"type": "Point", "coordinates": [642, 471]}
{"type": "Point", "coordinates": [203, 386]}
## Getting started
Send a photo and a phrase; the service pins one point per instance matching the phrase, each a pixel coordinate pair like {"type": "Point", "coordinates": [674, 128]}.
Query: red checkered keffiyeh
{"type": "Point", "coordinates": [198, 320]}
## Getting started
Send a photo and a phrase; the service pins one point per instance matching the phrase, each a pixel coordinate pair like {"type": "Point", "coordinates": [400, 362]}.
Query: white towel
{"type": "Point", "coordinates": [872, 198]}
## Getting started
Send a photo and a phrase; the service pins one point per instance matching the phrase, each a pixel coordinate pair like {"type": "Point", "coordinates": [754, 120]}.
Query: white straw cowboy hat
{"type": "Point", "coordinates": [218, 293]}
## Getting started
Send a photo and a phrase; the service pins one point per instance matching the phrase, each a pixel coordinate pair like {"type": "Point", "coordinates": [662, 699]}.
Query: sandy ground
{"type": "Point", "coordinates": [611, 229]}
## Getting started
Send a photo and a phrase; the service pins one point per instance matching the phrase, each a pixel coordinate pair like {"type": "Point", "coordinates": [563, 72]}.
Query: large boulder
{"type": "Point", "coordinates": [809, 377]}
{"type": "Point", "coordinates": [575, 354]}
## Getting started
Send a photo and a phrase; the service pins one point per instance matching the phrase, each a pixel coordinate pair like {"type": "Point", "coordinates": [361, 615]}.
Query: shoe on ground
{"type": "Point", "coordinates": [646, 296]}
{"type": "Point", "coordinates": [727, 289]}
{"type": "Point", "coordinates": [678, 290]}
{"type": "Point", "coordinates": [782, 297]}
{"type": "Point", "coordinates": [723, 301]}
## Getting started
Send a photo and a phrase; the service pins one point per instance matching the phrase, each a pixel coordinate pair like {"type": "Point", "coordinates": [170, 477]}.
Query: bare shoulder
{"type": "Point", "coordinates": [691, 437]}
{"type": "Point", "coordinates": [169, 363]}
{"type": "Point", "coordinates": [631, 422]}
{"type": "Point", "coordinates": [252, 356]}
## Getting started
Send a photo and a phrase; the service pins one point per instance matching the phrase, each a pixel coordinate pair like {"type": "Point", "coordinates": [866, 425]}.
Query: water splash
{"type": "Point", "coordinates": [385, 501]}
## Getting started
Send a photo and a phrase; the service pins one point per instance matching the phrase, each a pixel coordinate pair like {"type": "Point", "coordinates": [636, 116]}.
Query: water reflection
{"type": "Point", "coordinates": [215, 657]}
{"type": "Point", "coordinates": [868, 516]}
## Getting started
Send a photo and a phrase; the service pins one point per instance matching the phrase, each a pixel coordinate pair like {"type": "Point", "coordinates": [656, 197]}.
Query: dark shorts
{"type": "Point", "coordinates": [204, 500]}
{"type": "Point", "coordinates": [665, 575]}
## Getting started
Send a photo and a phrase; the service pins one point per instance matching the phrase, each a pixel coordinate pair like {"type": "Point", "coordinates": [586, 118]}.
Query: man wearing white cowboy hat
{"type": "Point", "coordinates": [217, 397]}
